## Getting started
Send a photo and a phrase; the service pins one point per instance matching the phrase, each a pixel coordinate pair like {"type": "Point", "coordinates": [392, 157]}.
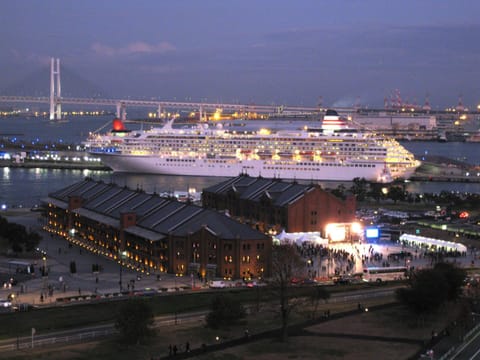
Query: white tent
{"type": "Point", "coordinates": [431, 242]}
{"type": "Point", "coordinates": [299, 238]}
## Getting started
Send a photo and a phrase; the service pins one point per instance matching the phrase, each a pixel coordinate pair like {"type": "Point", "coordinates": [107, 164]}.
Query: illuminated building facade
{"type": "Point", "coordinates": [275, 205]}
{"type": "Point", "coordinates": [153, 234]}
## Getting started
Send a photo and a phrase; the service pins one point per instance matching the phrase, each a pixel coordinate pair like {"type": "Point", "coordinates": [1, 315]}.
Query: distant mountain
{"type": "Point", "coordinates": [38, 84]}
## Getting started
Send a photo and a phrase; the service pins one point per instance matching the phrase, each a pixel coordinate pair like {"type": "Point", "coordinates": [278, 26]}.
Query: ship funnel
{"type": "Point", "coordinates": [118, 125]}
{"type": "Point", "coordinates": [332, 121]}
{"type": "Point", "coordinates": [331, 112]}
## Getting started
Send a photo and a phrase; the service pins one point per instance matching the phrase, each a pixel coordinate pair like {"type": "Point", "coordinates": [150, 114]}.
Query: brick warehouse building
{"type": "Point", "coordinates": [273, 204]}
{"type": "Point", "coordinates": [153, 234]}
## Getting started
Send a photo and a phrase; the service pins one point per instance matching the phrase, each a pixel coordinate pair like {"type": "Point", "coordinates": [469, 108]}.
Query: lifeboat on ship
{"type": "Point", "coordinates": [306, 153]}
{"type": "Point", "coordinates": [285, 154]}
{"type": "Point", "coordinates": [264, 154]}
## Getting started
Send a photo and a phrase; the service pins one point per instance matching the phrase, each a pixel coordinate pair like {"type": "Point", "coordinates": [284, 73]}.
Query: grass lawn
{"type": "Point", "coordinates": [65, 317]}
{"type": "Point", "coordinates": [335, 339]}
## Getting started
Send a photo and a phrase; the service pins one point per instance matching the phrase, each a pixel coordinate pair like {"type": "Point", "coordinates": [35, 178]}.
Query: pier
{"type": "Point", "coordinates": [35, 157]}
{"type": "Point", "coordinates": [31, 164]}
{"type": "Point", "coordinates": [445, 178]}
{"type": "Point", "coordinates": [442, 169]}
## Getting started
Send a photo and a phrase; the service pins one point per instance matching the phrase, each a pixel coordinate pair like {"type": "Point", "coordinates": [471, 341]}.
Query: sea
{"type": "Point", "coordinates": [21, 187]}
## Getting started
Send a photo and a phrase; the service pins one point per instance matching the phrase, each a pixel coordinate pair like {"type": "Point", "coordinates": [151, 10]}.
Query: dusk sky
{"type": "Point", "coordinates": [264, 52]}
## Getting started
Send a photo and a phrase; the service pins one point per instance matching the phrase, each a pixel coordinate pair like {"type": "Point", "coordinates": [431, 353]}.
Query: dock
{"type": "Point", "coordinates": [45, 164]}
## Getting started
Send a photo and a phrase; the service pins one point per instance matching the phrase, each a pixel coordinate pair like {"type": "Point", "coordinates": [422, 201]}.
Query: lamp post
{"type": "Point", "coordinates": [44, 258]}
{"type": "Point", "coordinates": [45, 271]}
{"type": "Point", "coordinates": [194, 268]}
{"type": "Point", "coordinates": [123, 255]}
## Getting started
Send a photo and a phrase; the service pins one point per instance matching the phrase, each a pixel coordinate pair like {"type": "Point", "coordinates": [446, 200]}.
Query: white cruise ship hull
{"type": "Point", "coordinates": [334, 152]}
{"type": "Point", "coordinates": [326, 171]}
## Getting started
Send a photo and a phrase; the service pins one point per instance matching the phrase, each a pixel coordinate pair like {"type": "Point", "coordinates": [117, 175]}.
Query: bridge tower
{"type": "Point", "coordinates": [122, 110]}
{"type": "Point", "coordinates": [55, 94]}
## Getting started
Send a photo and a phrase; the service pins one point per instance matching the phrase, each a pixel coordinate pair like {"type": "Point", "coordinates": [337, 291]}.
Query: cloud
{"type": "Point", "coordinates": [102, 49]}
{"type": "Point", "coordinates": [134, 48]}
{"type": "Point", "coordinates": [29, 57]}
{"type": "Point", "coordinates": [161, 69]}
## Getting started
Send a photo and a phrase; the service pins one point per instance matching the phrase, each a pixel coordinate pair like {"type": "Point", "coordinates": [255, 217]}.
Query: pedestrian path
{"type": "Point", "coordinates": [61, 282]}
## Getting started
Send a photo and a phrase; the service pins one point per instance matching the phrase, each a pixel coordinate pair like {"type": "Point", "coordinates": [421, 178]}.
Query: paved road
{"type": "Point", "coordinates": [470, 349]}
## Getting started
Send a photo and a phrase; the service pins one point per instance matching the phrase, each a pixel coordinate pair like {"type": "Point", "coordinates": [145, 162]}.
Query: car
{"type": "Point", "coordinates": [217, 284]}
{"type": "Point", "coordinates": [342, 281]}
{"type": "Point", "coordinates": [23, 307]}
{"type": "Point", "coordinates": [5, 303]}
{"type": "Point", "coordinates": [309, 282]}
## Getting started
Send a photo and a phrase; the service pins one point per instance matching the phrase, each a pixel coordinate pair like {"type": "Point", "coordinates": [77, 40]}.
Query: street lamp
{"type": "Point", "coordinates": [45, 271]}
{"type": "Point", "coordinates": [72, 234]}
{"type": "Point", "coordinates": [192, 274]}
{"type": "Point", "coordinates": [123, 255]}
{"type": "Point", "coordinates": [44, 258]}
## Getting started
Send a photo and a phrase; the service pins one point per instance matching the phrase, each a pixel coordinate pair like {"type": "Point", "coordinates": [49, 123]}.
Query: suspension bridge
{"type": "Point", "coordinates": [56, 100]}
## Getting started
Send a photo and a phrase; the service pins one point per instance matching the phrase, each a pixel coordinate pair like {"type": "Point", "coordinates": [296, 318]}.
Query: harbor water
{"type": "Point", "coordinates": [26, 187]}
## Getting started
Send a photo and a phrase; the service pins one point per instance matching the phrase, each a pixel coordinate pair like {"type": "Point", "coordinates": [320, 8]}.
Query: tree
{"type": "Point", "coordinates": [376, 191]}
{"type": "Point", "coordinates": [430, 288]}
{"type": "Point", "coordinates": [286, 266]}
{"type": "Point", "coordinates": [339, 191]}
{"type": "Point", "coordinates": [134, 321]}
{"type": "Point", "coordinates": [225, 310]}
{"type": "Point", "coordinates": [32, 240]}
{"type": "Point", "coordinates": [359, 188]}
{"type": "Point", "coordinates": [18, 238]}
{"type": "Point", "coordinates": [396, 193]}
{"type": "Point", "coordinates": [16, 235]}
{"type": "Point", "coordinates": [454, 277]}
{"type": "Point", "coordinates": [318, 293]}
{"type": "Point", "coordinates": [17, 247]}
{"type": "Point", "coordinates": [426, 293]}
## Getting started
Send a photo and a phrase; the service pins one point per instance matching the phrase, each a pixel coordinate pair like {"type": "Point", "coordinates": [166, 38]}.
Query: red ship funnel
{"type": "Point", "coordinates": [118, 125]}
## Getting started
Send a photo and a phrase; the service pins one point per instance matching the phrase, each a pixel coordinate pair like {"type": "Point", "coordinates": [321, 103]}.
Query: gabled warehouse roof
{"type": "Point", "coordinates": [156, 216]}
{"type": "Point", "coordinates": [253, 189]}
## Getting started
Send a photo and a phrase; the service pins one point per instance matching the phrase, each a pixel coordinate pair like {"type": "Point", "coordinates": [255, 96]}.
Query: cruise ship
{"type": "Point", "coordinates": [334, 151]}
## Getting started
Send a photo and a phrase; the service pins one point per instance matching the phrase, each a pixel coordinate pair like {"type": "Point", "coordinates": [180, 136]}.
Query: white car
{"type": "Point", "coordinates": [217, 284]}
{"type": "Point", "coordinates": [5, 303]}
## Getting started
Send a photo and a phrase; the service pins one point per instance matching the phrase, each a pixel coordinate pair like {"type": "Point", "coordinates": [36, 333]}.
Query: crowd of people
{"type": "Point", "coordinates": [340, 259]}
